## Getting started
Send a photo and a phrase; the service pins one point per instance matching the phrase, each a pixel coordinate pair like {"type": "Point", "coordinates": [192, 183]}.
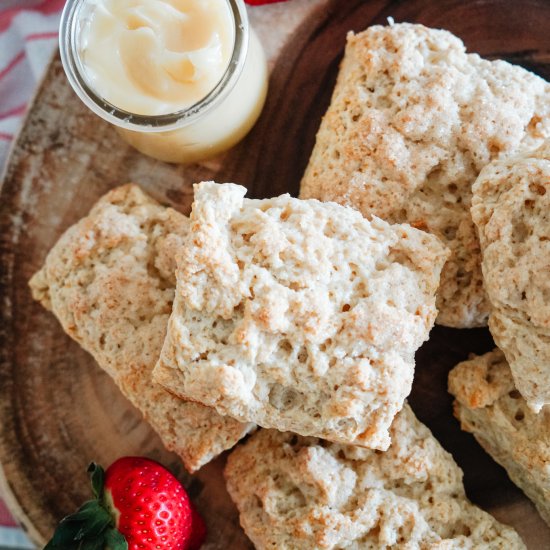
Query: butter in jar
{"type": "Point", "coordinates": [182, 80]}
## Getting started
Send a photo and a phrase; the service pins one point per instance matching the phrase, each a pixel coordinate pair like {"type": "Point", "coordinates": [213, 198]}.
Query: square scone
{"type": "Point", "coordinates": [110, 281]}
{"type": "Point", "coordinates": [490, 407]}
{"type": "Point", "coordinates": [511, 209]}
{"type": "Point", "coordinates": [299, 315]}
{"type": "Point", "coordinates": [412, 121]}
{"type": "Point", "coordinates": [303, 493]}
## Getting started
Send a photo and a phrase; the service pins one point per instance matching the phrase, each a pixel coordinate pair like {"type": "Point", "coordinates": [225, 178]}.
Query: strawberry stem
{"type": "Point", "coordinates": [97, 477]}
{"type": "Point", "coordinates": [92, 527]}
{"type": "Point", "coordinates": [115, 540]}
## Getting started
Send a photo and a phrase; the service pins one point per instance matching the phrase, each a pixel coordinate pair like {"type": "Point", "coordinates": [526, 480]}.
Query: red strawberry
{"type": "Point", "coordinates": [139, 505]}
{"type": "Point", "coordinates": [260, 2]}
{"type": "Point", "coordinates": [198, 533]}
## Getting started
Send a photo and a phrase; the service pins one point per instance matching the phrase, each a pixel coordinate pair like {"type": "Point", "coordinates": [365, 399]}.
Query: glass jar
{"type": "Point", "coordinates": [212, 125]}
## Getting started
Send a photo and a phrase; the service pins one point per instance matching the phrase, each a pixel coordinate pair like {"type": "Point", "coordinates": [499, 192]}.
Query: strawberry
{"type": "Point", "coordinates": [198, 533]}
{"type": "Point", "coordinates": [138, 505]}
{"type": "Point", "coordinates": [260, 2]}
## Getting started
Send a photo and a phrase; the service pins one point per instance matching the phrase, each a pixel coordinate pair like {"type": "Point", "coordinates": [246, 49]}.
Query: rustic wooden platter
{"type": "Point", "coordinates": [58, 410]}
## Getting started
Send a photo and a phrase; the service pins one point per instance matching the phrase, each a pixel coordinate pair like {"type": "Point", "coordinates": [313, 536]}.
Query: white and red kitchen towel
{"type": "Point", "coordinates": [28, 37]}
{"type": "Point", "coordinates": [10, 534]}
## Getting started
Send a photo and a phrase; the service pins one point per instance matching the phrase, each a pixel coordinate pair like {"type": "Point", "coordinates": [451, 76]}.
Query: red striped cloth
{"type": "Point", "coordinates": [5, 517]}
{"type": "Point", "coordinates": [28, 37]}
{"type": "Point", "coordinates": [10, 535]}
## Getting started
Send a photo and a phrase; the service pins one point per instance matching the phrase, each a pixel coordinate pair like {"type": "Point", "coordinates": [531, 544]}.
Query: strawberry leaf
{"type": "Point", "coordinates": [115, 540]}
{"type": "Point", "coordinates": [97, 476]}
{"type": "Point", "coordinates": [95, 524]}
{"type": "Point", "coordinates": [85, 512]}
{"type": "Point", "coordinates": [83, 529]}
{"type": "Point", "coordinates": [91, 526]}
{"type": "Point", "coordinates": [92, 544]}
{"type": "Point", "coordinates": [66, 533]}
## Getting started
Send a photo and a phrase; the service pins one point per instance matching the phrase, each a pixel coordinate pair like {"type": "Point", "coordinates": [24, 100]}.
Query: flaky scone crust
{"type": "Point", "coordinates": [412, 122]}
{"type": "Point", "coordinates": [511, 209]}
{"type": "Point", "coordinates": [110, 281]}
{"type": "Point", "coordinates": [297, 493]}
{"type": "Point", "coordinates": [490, 407]}
{"type": "Point", "coordinates": [299, 315]}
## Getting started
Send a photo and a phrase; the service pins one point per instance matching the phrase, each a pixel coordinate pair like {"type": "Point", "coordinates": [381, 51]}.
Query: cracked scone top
{"type": "Point", "coordinates": [110, 281]}
{"type": "Point", "coordinates": [511, 208]}
{"type": "Point", "coordinates": [299, 315]}
{"type": "Point", "coordinates": [413, 120]}
{"type": "Point", "coordinates": [297, 493]}
{"type": "Point", "coordinates": [489, 406]}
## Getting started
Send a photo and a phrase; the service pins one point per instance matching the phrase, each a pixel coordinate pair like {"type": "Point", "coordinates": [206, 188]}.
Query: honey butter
{"type": "Point", "coordinates": [154, 57]}
{"type": "Point", "coordinates": [182, 80]}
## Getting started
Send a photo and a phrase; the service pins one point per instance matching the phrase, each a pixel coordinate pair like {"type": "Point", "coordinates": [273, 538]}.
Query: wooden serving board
{"type": "Point", "coordinates": [58, 410]}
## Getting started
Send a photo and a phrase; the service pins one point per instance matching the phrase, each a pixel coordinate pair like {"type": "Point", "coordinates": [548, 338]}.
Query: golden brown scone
{"type": "Point", "coordinates": [412, 121]}
{"type": "Point", "coordinates": [297, 493]}
{"type": "Point", "coordinates": [299, 315]}
{"type": "Point", "coordinates": [489, 406]}
{"type": "Point", "coordinates": [511, 209]}
{"type": "Point", "coordinates": [110, 281]}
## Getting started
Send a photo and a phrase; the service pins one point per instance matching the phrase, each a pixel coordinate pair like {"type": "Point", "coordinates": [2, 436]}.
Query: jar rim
{"type": "Point", "coordinates": [150, 123]}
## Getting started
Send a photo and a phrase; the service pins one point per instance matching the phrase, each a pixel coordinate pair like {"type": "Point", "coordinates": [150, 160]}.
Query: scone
{"type": "Point", "coordinates": [297, 493]}
{"type": "Point", "coordinates": [110, 281]}
{"type": "Point", "coordinates": [511, 208]}
{"type": "Point", "coordinates": [412, 121]}
{"type": "Point", "coordinates": [489, 406]}
{"type": "Point", "coordinates": [299, 315]}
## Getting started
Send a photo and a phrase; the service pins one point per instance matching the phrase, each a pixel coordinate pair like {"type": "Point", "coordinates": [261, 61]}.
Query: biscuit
{"type": "Point", "coordinates": [299, 315]}
{"type": "Point", "coordinates": [412, 122]}
{"type": "Point", "coordinates": [511, 209]}
{"type": "Point", "coordinates": [297, 493]}
{"type": "Point", "coordinates": [110, 281]}
{"type": "Point", "coordinates": [489, 406]}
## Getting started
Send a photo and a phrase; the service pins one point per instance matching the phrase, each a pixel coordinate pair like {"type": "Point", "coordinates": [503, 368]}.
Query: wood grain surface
{"type": "Point", "coordinates": [58, 410]}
